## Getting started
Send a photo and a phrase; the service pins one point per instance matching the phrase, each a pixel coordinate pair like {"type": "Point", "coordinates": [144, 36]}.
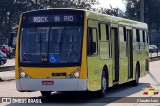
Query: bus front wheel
{"type": "Point", "coordinates": [101, 93]}
{"type": "Point", "coordinates": [46, 93]}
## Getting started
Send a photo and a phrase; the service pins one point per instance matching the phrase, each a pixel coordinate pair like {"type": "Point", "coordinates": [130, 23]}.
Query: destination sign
{"type": "Point", "coordinates": [52, 18]}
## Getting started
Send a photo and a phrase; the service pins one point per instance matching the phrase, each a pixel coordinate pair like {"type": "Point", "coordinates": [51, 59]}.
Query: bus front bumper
{"type": "Point", "coordinates": [58, 85]}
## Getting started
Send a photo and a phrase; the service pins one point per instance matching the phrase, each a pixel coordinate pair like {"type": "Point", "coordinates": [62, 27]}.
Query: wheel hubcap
{"type": "Point", "coordinates": [104, 84]}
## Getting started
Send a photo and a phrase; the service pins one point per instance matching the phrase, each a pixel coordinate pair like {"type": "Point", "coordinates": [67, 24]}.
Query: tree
{"type": "Point", "coordinates": [132, 9]}
{"type": "Point", "coordinates": [10, 10]}
{"type": "Point", "coordinates": [6, 16]}
{"type": "Point", "coordinates": [113, 11]}
{"type": "Point", "coordinates": [151, 12]}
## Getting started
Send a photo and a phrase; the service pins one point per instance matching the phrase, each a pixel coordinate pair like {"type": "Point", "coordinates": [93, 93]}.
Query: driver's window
{"type": "Point", "coordinates": [92, 41]}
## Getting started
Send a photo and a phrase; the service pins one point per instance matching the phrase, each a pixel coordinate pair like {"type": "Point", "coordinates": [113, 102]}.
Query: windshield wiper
{"type": "Point", "coordinates": [40, 41]}
{"type": "Point", "coordinates": [61, 39]}
{"type": "Point", "coordinates": [70, 47]}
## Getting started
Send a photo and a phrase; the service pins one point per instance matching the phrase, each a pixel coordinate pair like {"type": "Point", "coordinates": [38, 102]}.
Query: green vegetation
{"type": "Point", "coordinates": [151, 12]}
{"type": "Point", "coordinates": [10, 10]}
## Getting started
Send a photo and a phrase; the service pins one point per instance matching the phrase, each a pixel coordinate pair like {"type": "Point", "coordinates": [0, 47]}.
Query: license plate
{"type": "Point", "coordinates": [47, 83]}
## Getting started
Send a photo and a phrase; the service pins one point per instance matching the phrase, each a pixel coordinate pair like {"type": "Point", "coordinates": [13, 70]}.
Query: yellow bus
{"type": "Point", "coordinates": [78, 50]}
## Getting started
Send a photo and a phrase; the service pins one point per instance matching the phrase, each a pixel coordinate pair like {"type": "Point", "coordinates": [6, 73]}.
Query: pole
{"type": "Point", "coordinates": [142, 10]}
{"type": "Point", "coordinates": [36, 5]}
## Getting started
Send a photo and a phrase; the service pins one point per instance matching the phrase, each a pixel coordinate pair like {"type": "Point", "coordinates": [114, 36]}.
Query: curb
{"type": "Point", "coordinates": [6, 80]}
{"type": "Point", "coordinates": [7, 68]}
{"type": "Point", "coordinates": [154, 59]}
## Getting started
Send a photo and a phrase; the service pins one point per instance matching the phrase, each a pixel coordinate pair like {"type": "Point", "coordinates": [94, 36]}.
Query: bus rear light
{"type": "Point", "coordinates": [75, 74]}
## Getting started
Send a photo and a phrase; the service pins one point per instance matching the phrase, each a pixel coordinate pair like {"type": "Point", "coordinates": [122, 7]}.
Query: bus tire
{"type": "Point", "coordinates": [46, 93]}
{"type": "Point", "coordinates": [101, 93]}
{"type": "Point", "coordinates": [136, 81]}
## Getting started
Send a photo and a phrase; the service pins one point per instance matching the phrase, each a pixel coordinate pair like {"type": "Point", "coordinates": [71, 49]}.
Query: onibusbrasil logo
{"type": "Point", "coordinates": [150, 91]}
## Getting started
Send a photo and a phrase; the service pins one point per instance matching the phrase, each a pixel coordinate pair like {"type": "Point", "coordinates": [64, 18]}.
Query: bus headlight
{"type": "Point", "coordinates": [23, 74]}
{"type": "Point", "coordinates": [75, 74]}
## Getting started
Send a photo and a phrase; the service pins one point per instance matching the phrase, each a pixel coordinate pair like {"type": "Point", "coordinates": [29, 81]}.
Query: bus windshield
{"type": "Point", "coordinates": [51, 45]}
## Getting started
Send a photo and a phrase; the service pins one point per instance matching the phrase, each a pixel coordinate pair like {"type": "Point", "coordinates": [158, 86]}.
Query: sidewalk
{"type": "Point", "coordinates": [7, 76]}
{"type": "Point", "coordinates": [9, 66]}
{"type": "Point", "coordinates": [7, 70]}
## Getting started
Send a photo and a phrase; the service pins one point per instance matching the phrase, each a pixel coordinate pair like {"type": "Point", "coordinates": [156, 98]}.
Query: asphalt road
{"type": "Point", "coordinates": [8, 89]}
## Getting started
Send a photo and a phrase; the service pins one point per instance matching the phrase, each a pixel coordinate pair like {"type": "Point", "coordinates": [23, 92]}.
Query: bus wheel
{"type": "Point", "coordinates": [101, 93]}
{"type": "Point", "coordinates": [46, 93]}
{"type": "Point", "coordinates": [136, 81]}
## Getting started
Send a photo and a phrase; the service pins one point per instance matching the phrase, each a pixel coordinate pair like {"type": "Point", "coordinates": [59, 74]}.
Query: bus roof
{"type": "Point", "coordinates": [115, 20]}
{"type": "Point", "coordinates": [98, 16]}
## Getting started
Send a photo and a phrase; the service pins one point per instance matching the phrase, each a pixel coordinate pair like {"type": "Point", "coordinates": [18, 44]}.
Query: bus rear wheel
{"type": "Point", "coordinates": [136, 81]}
{"type": "Point", "coordinates": [46, 93]}
{"type": "Point", "coordinates": [101, 93]}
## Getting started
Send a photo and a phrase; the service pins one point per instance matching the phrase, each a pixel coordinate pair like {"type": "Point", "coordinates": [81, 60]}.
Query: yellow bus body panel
{"type": "Point", "coordinates": [83, 73]}
{"type": "Point", "coordinates": [17, 48]}
{"type": "Point", "coordinates": [47, 72]}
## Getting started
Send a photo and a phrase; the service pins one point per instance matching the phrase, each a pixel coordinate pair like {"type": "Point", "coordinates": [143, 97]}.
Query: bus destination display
{"type": "Point", "coordinates": [52, 18]}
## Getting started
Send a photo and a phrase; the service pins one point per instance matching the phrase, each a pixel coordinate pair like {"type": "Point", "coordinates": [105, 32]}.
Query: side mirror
{"type": "Point", "coordinates": [93, 47]}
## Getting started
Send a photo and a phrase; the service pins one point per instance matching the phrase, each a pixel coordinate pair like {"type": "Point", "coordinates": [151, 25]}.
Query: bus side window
{"type": "Point", "coordinates": [92, 41]}
{"type": "Point", "coordinates": [144, 36]}
{"type": "Point", "coordinates": [125, 34]}
{"type": "Point", "coordinates": [104, 32]}
{"type": "Point", "coordinates": [107, 32]}
{"type": "Point", "coordinates": [123, 42]}
{"type": "Point", "coordinates": [137, 35]}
